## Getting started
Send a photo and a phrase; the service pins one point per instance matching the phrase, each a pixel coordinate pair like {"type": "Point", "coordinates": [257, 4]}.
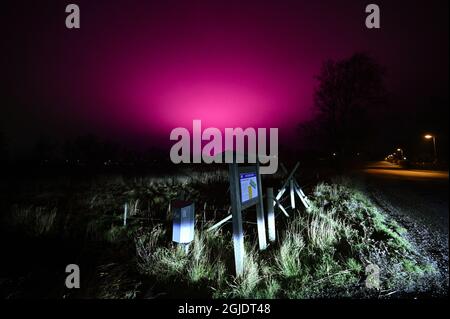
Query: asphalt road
{"type": "Point", "coordinates": [418, 199]}
{"type": "Point", "coordinates": [421, 195]}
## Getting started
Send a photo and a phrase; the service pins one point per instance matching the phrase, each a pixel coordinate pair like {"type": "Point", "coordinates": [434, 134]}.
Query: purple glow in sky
{"type": "Point", "coordinates": [142, 68]}
{"type": "Point", "coordinates": [226, 69]}
{"type": "Point", "coordinates": [221, 94]}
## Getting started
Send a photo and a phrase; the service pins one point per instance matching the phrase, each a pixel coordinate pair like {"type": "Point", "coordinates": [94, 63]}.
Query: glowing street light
{"type": "Point", "coordinates": [429, 137]}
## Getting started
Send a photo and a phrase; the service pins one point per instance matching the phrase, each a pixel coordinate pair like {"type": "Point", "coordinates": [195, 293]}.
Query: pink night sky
{"type": "Point", "coordinates": [142, 68]}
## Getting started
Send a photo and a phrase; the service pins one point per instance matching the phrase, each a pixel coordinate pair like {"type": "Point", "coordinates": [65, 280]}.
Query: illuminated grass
{"type": "Point", "coordinates": [288, 256]}
{"type": "Point", "coordinates": [322, 253]}
{"type": "Point", "coordinates": [202, 264]}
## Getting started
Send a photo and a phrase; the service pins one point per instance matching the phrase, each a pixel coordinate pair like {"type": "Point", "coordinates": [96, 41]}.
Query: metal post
{"type": "Point", "coordinates": [281, 207]}
{"type": "Point", "coordinates": [125, 214]}
{"type": "Point", "coordinates": [270, 215]}
{"type": "Point", "coordinates": [291, 175]}
{"type": "Point", "coordinates": [302, 196]}
{"type": "Point", "coordinates": [291, 184]}
{"type": "Point", "coordinates": [276, 201]}
{"type": "Point", "coordinates": [238, 233]}
{"type": "Point", "coordinates": [220, 223]}
{"type": "Point", "coordinates": [280, 193]}
{"type": "Point", "coordinates": [260, 213]}
{"type": "Point", "coordinates": [204, 213]}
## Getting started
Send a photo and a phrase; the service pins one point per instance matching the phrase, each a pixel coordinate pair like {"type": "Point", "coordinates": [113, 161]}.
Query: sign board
{"type": "Point", "coordinates": [245, 192]}
{"type": "Point", "coordinates": [183, 222]}
{"type": "Point", "coordinates": [248, 184]}
{"type": "Point", "coordinates": [249, 187]}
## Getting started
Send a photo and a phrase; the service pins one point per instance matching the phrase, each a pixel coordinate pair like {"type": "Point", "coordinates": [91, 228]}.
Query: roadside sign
{"type": "Point", "coordinates": [245, 192]}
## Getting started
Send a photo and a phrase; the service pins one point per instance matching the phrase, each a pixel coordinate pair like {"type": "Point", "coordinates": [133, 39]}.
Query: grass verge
{"type": "Point", "coordinates": [343, 247]}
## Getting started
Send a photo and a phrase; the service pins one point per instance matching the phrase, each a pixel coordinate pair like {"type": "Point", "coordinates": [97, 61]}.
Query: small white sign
{"type": "Point", "coordinates": [183, 223]}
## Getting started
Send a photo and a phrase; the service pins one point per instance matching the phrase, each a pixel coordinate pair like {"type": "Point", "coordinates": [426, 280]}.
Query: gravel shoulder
{"type": "Point", "coordinates": [420, 205]}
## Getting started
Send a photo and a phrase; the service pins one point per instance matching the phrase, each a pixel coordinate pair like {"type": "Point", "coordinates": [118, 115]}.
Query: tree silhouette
{"type": "Point", "coordinates": [348, 89]}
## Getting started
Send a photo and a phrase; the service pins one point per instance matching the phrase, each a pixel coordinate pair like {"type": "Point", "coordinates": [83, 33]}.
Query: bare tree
{"type": "Point", "coordinates": [347, 91]}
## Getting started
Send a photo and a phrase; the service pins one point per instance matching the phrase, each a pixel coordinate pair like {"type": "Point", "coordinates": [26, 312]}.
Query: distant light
{"type": "Point", "coordinates": [428, 136]}
{"type": "Point", "coordinates": [399, 149]}
{"type": "Point", "coordinates": [334, 154]}
{"type": "Point", "coordinates": [404, 158]}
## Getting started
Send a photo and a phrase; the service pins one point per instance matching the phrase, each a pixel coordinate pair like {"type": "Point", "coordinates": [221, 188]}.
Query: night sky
{"type": "Point", "coordinates": [137, 69]}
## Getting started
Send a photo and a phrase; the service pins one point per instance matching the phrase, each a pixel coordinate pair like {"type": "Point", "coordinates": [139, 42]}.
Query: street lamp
{"type": "Point", "coordinates": [429, 137]}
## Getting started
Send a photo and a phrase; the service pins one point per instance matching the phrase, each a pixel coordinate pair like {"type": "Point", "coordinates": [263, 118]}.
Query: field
{"type": "Point", "coordinates": [344, 247]}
